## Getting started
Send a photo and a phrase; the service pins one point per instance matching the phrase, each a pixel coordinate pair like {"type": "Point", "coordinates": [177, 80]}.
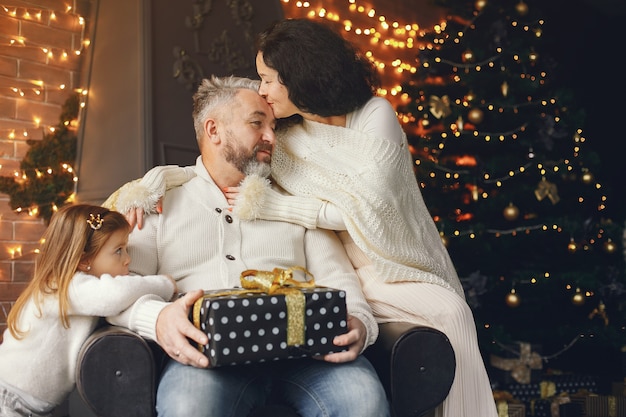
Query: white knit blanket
{"type": "Point", "coordinates": [372, 182]}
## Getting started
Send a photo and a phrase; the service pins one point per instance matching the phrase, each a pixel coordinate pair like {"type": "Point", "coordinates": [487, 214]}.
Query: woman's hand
{"type": "Point", "coordinates": [231, 194]}
{"type": "Point", "coordinates": [135, 216]}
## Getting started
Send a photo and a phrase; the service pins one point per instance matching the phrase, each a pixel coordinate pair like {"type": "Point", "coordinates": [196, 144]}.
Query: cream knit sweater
{"type": "Point", "coordinates": [372, 183]}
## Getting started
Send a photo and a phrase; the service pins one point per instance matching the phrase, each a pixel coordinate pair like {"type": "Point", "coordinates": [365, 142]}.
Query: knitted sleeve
{"type": "Point", "coordinates": [144, 193]}
{"type": "Point", "coordinates": [257, 200]}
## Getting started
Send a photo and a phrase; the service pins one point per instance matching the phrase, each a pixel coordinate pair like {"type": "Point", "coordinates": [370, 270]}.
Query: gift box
{"type": "Point", "coordinates": [520, 363]}
{"type": "Point", "coordinates": [511, 409]}
{"type": "Point", "coordinates": [250, 326]}
{"type": "Point", "coordinates": [605, 406]}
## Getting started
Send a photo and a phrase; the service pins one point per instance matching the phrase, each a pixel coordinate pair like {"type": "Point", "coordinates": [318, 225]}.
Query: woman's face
{"type": "Point", "coordinates": [274, 92]}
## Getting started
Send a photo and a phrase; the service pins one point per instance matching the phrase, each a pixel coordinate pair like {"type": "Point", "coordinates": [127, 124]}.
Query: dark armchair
{"type": "Point", "coordinates": [117, 371]}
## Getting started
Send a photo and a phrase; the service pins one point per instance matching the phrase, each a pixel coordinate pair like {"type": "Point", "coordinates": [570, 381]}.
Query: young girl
{"type": "Point", "coordinates": [81, 274]}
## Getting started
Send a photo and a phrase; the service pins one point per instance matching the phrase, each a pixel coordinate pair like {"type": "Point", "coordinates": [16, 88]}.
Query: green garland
{"type": "Point", "coordinates": [47, 179]}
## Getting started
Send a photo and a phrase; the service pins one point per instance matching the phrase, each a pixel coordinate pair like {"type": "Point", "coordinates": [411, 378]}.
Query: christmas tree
{"type": "Point", "coordinates": [507, 174]}
{"type": "Point", "coordinates": [47, 180]}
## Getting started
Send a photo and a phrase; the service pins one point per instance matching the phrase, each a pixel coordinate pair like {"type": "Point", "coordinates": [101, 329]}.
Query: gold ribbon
{"type": "Point", "coordinates": [520, 368]}
{"type": "Point", "coordinates": [547, 389]}
{"type": "Point", "coordinates": [278, 281]}
{"type": "Point", "coordinates": [503, 409]}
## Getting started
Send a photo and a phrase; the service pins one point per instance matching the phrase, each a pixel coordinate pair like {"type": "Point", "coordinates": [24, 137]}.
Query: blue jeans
{"type": "Point", "coordinates": [313, 388]}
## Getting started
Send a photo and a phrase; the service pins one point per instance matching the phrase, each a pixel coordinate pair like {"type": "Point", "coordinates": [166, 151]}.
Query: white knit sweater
{"type": "Point", "coordinates": [372, 182]}
{"type": "Point", "coordinates": [43, 363]}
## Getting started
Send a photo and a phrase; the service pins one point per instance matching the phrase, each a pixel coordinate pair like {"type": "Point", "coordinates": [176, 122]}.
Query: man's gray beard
{"type": "Point", "coordinates": [254, 167]}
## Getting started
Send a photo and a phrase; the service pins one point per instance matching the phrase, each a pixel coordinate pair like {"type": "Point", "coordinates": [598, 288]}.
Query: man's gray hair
{"type": "Point", "coordinates": [214, 93]}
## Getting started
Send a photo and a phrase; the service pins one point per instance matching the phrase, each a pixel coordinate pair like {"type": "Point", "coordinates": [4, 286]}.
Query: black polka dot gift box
{"type": "Point", "coordinates": [272, 317]}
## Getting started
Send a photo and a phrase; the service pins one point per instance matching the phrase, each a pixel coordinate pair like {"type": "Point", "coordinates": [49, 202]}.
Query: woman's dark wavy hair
{"type": "Point", "coordinates": [324, 74]}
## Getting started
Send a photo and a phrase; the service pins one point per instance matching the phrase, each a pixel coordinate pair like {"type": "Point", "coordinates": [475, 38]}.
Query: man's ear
{"type": "Point", "coordinates": [211, 129]}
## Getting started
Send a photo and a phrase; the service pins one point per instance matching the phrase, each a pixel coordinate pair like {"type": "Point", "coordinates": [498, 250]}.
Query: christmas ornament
{"type": "Point", "coordinates": [572, 246]}
{"type": "Point", "coordinates": [475, 116]}
{"type": "Point", "coordinates": [440, 107]}
{"type": "Point", "coordinates": [505, 89]}
{"type": "Point", "coordinates": [480, 4]}
{"type": "Point", "coordinates": [547, 189]}
{"type": "Point", "coordinates": [468, 56]}
{"type": "Point", "coordinates": [512, 299]}
{"type": "Point", "coordinates": [425, 121]}
{"type": "Point", "coordinates": [444, 239]}
{"type": "Point", "coordinates": [587, 177]}
{"type": "Point", "coordinates": [511, 212]}
{"type": "Point", "coordinates": [609, 246]}
{"type": "Point", "coordinates": [600, 311]}
{"type": "Point", "coordinates": [521, 8]}
{"type": "Point", "coordinates": [578, 299]}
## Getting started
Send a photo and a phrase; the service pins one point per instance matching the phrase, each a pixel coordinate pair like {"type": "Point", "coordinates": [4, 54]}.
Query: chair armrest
{"type": "Point", "coordinates": [115, 373]}
{"type": "Point", "coordinates": [416, 364]}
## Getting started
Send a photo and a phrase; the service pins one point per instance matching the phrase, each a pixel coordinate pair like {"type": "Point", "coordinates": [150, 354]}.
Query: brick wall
{"type": "Point", "coordinates": [39, 69]}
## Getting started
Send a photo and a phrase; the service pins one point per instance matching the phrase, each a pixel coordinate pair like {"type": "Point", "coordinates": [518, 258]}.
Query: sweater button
{"type": "Point", "coordinates": [230, 257]}
{"type": "Point", "coordinates": [219, 210]}
{"type": "Point", "coordinates": [228, 218]}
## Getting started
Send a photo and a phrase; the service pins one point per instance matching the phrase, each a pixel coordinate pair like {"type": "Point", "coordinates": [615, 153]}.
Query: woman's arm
{"type": "Point", "coordinates": [256, 199]}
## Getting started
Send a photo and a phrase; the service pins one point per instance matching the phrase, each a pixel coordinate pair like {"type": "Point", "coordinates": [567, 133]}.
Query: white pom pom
{"type": "Point", "coordinates": [251, 197]}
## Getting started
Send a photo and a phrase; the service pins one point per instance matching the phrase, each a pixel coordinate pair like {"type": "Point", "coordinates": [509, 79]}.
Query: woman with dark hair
{"type": "Point", "coordinates": [343, 157]}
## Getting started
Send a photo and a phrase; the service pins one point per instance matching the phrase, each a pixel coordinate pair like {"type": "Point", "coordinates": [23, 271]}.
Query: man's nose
{"type": "Point", "coordinates": [269, 136]}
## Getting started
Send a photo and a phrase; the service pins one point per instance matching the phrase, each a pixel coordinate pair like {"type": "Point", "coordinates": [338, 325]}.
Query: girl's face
{"type": "Point", "coordinates": [274, 92]}
{"type": "Point", "coordinates": [113, 257]}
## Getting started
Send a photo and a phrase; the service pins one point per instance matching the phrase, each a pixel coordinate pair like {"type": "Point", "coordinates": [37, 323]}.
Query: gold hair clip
{"type": "Point", "coordinates": [95, 222]}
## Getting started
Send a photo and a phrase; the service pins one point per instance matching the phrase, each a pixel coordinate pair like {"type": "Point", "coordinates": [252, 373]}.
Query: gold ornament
{"type": "Point", "coordinates": [440, 107]}
{"type": "Point", "coordinates": [510, 212]}
{"type": "Point", "coordinates": [480, 4]}
{"type": "Point", "coordinates": [609, 246]}
{"type": "Point", "coordinates": [546, 188]}
{"type": "Point", "coordinates": [587, 177]}
{"type": "Point", "coordinates": [425, 121]}
{"type": "Point", "coordinates": [572, 247]}
{"type": "Point", "coordinates": [505, 89]}
{"type": "Point", "coordinates": [578, 299]}
{"type": "Point", "coordinates": [512, 299]}
{"type": "Point", "coordinates": [470, 96]}
{"type": "Point", "coordinates": [475, 116]}
{"type": "Point", "coordinates": [444, 239]}
{"type": "Point", "coordinates": [522, 8]}
{"type": "Point", "coordinates": [533, 56]}
{"type": "Point", "coordinates": [468, 56]}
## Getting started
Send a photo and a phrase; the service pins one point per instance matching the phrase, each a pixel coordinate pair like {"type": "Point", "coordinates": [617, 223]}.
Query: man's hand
{"type": "Point", "coordinates": [173, 331]}
{"type": "Point", "coordinates": [354, 340]}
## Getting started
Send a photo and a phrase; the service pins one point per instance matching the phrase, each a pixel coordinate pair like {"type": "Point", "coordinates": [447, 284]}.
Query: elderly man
{"type": "Point", "coordinates": [199, 242]}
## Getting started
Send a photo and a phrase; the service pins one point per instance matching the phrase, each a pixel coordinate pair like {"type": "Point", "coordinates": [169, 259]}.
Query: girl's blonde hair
{"type": "Point", "coordinates": [72, 237]}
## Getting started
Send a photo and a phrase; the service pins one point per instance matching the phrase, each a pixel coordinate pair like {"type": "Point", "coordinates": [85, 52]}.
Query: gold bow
{"type": "Point", "coordinates": [278, 281]}
{"type": "Point", "coordinates": [520, 368]}
{"type": "Point", "coordinates": [547, 189]}
{"type": "Point", "coordinates": [440, 107]}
